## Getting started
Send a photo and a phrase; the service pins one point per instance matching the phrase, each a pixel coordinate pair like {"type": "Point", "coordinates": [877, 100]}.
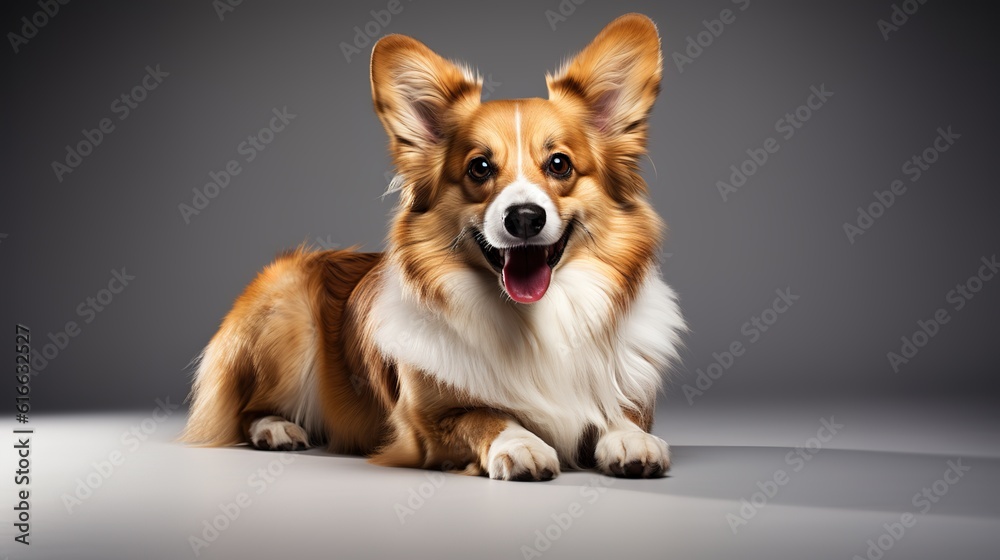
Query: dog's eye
{"type": "Point", "coordinates": [559, 165]}
{"type": "Point", "coordinates": [479, 169]}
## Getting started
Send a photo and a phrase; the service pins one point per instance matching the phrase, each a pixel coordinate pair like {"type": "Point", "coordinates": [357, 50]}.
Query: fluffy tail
{"type": "Point", "coordinates": [219, 394]}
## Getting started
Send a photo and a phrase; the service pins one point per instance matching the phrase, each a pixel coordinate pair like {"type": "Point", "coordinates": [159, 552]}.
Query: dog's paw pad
{"type": "Point", "coordinates": [632, 454]}
{"type": "Point", "coordinates": [517, 454]}
{"type": "Point", "coordinates": [273, 433]}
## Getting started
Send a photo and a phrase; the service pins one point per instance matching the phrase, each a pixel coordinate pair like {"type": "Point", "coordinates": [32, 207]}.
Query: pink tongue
{"type": "Point", "coordinates": [526, 274]}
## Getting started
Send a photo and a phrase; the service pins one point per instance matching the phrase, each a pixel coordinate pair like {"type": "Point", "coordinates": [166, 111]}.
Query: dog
{"type": "Point", "coordinates": [517, 324]}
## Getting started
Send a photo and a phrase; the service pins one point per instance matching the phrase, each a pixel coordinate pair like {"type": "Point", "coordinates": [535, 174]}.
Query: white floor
{"type": "Point", "coordinates": [824, 501]}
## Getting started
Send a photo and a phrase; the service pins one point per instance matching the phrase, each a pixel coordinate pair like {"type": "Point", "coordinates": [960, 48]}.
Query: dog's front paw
{"type": "Point", "coordinates": [517, 454]}
{"type": "Point", "coordinates": [274, 433]}
{"type": "Point", "coordinates": [632, 454]}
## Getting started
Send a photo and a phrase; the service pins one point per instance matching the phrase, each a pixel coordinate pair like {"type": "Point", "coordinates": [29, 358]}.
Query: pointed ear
{"type": "Point", "coordinates": [414, 89]}
{"type": "Point", "coordinates": [617, 77]}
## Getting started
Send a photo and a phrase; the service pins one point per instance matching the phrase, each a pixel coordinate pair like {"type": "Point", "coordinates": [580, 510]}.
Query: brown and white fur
{"type": "Point", "coordinates": [433, 355]}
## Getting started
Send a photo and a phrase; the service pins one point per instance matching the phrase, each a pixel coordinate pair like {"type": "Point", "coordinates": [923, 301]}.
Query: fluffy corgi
{"type": "Point", "coordinates": [516, 324]}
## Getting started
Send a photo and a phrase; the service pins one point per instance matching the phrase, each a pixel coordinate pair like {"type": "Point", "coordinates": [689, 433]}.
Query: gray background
{"type": "Point", "coordinates": [322, 178]}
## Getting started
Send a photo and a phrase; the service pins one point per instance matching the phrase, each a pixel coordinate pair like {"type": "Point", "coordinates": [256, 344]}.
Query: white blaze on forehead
{"type": "Point", "coordinates": [521, 191]}
{"type": "Point", "coordinates": [517, 133]}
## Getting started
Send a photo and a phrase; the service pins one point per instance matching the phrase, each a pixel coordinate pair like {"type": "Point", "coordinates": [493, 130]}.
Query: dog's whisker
{"type": "Point", "coordinates": [453, 248]}
{"type": "Point", "coordinates": [577, 223]}
{"type": "Point", "coordinates": [651, 162]}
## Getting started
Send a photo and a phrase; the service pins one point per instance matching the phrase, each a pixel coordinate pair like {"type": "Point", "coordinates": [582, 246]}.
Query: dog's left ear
{"type": "Point", "coordinates": [617, 76]}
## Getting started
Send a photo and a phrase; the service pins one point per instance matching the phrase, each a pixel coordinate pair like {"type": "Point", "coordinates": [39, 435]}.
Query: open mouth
{"type": "Point", "coordinates": [527, 269]}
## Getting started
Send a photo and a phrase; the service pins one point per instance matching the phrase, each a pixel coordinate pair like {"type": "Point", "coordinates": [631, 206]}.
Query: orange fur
{"type": "Point", "coordinates": [313, 311]}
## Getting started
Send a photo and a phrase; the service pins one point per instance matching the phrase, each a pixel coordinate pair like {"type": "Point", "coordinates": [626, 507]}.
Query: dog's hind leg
{"type": "Point", "coordinates": [274, 433]}
{"type": "Point", "coordinates": [257, 379]}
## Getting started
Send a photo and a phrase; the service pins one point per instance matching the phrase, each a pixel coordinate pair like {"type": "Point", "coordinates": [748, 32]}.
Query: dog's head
{"type": "Point", "coordinates": [517, 189]}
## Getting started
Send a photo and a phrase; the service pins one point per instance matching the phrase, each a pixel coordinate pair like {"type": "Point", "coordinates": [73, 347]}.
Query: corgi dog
{"type": "Point", "coordinates": [516, 325]}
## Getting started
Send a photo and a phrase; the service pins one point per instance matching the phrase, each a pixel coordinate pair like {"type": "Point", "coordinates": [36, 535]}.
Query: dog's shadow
{"type": "Point", "coordinates": [886, 481]}
{"type": "Point", "coordinates": [828, 478]}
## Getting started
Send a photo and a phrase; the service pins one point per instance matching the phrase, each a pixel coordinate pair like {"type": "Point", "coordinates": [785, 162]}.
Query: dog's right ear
{"type": "Point", "coordinates": [416, 94]}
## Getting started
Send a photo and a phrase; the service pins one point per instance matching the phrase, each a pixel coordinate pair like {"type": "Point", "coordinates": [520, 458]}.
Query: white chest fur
{"type": "Point", "coordinates": [559, 365]}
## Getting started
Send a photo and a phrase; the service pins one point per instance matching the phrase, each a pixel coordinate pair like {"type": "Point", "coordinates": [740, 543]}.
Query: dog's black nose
{"type": "Point", "coordinates": [524, 220]}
